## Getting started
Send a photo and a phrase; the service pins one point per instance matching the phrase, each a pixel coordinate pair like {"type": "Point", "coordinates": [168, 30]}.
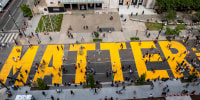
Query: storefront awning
{"type": "Point", "coordinates": [81, 1]}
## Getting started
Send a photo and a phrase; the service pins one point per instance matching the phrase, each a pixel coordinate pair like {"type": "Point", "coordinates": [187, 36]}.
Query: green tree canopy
{"type": "Point", "coordinates": [171, 15]}
{"type": "Point", "coordinates": [26, 10]}
{"type": "Point", "coordinates": [91, 80]}
{"type": "Point", "coordinates": [142, 78]}
{"type": "Point", "coordinates": [197, 15]}
{"type": "Point", "coordinates": [168, 4]}
{"type": "Point", "coordinates": [41, 84]}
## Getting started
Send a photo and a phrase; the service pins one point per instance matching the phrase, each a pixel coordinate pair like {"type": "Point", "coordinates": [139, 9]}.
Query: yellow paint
{"type": "Point", "coordinates": [197, 54]}
{"type": "Point", "coordinates": [25, 63]}
{"type": "Point", "coordinates": [115, 57]}
{"type": "Point", "coordinates": [81, 59]}
{"type": "Point", "coordinates": [140, 63]}
{"type": "Point", "coordinates": [178, 58]}
{"type": "Point", "coordinates": [51, 50]}
{"type": "Point", "coordinates": [194, 49]}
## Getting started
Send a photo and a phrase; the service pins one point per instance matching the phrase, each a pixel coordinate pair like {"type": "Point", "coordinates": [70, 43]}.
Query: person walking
{"type": "Point", "coordinates": [72, 93]}
{"type": "Point", "coordinates": [107, 73]}
{"type": "Point", "coordinates": [57, 48]}
{"type": "Point", "coordinates": [32, 34]}
{"type": "Point", "coordinates": [86, 27]}
{"type": "Point", "coordinates": [37, 35]}
{"type": "Point", "coordinates": [43, 93]}
{"type": "Point", "coordinates": [95, 91]}
{"type": "Point", "coordinates": [50, 38]}
{"type": "Point", "coordinates": [21, 76]}
{"type": "Point", "coordinates": [52, 97]}
{"type": "Point", "coordinates": [26, 71]}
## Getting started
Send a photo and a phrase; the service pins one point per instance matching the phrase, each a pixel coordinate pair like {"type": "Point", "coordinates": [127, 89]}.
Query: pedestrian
{"type": "Point", "coordinates": [140, 43]}
{"type": "Point", "coordinates": [121, 46]}
{"type": "Point", "coordinates": [38, 41]}
{"type": "Point", "coordinates": [52, 98]}
{"type": "Point", "coordinates": [105, 98]}
{"type": "Point", "coordinates": [18, 58]}
{"type": "Point", "coordinates": [72, 93]}
{"type": "Point", "coordinates": [50, 38]}
{"type": "Point", "coordinates": [95, 91]}
{"type": "Point", "coordinates": [164, 60]}
{"type": "Point", "coordinates": [75, 66]}
{"type": "Point", "coordinates": [57, 48]}
{"type": "Point", "coordinates": [148, 35]}
{"type": "Point", "coordinates": [37, 35]}
{"type": "Point", "coordinates": [143, 56]}
{"type": "Point", "coordinates": [111, 98]}
{"type": "Point", "coordinates": [113, 64]}
{"type": "Point", "coordinates": [79, 65]}
{"type": "Point", "coordinates": [15, 42]}
{"type": "Point", "coordinates": [32, 34]}
{"type": "Point", "coordinates": [124, 87]}
{"type": "Point", "coordinates": [143, 12]}
{"type": "Point", "coordinates": [152, 86]}
{"type": "Point", "coordinates": [21, 76]}
{"type": "Point", "coordinates": [26, 71]}
{"type": "Point", "coordinates": [173, 58]}
{"type": "Point", "coordinates": [168, 57]}
{"type": "Point", "coordinates": [107, 73]}
{"type": "Point", "coordinates": [43, 62]}
{"type": "Point", "coordinates": [43, 93]}
{"type": "Point", "coordinates": [84, 27]}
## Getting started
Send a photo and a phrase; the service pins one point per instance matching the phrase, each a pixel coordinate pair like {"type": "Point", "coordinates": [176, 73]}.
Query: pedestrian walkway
{"type": "Point", "coordinates": [175, 88]}
{"type": "Point", "coordinates": [134, 10]}
{"type": "Point", "coordinates": [8, 37]}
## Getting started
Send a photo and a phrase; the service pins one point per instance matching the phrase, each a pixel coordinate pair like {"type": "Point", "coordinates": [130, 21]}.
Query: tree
{"type": "Point", "coordinates": [197, 15]}
{"type": "Point", "coordinates": [42, 85]}
{"type": "Point", "coordinates": [26, 10]}
{"type": "Point", "coordinates": [171, 15]}
{"type": "Point", "coordinates": [96, 34]}
{"type": "Point", "coordinates": [91, 80]}
{"type": "Point", "coordinates": [192, 77]}
{"type": "Point", "coordinates": [142, 78]}
{"type": "Point", "coordinates": [175, 31]}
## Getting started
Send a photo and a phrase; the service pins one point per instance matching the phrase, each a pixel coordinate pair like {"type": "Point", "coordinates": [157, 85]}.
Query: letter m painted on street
{"type": "Point", "coordinates": [23, 64]}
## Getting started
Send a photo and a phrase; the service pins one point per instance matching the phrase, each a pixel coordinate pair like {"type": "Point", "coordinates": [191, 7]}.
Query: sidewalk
{"type": "Point", "coordinates": [143, 91]}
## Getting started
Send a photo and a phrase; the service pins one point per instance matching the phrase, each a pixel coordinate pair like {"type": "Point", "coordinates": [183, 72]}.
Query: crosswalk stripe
{"type": "Point", "coordinates": [11, 38]}
{"type": "Point", "coordinates": [15, 37]}
{"type": "Point", "coordinates": [8, 37]}
{"type": "Point", "coordinates": [4, 38]}
{"type": "Point", "coordinates": [1, 38]}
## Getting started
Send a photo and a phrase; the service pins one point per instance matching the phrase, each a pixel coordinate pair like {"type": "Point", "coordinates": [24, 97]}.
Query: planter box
{"type": "Point", "coordinates": [97, 40]}
{"type": "Point", "coordinates": [134, 38]}
{"type": "Point", "coordinates": [37, 88]}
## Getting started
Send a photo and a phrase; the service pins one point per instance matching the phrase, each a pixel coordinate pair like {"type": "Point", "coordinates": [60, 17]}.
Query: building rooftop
{"type": "Point", "coordinates": [77, 1]}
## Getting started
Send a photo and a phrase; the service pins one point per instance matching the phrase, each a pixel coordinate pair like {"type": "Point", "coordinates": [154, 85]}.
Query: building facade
{"type": "Point", "coordinates": [98, 4]}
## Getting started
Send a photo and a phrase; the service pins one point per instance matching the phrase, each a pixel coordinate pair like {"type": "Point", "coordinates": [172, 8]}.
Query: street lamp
{"type": "Point", "coordinates": [10, 15]}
